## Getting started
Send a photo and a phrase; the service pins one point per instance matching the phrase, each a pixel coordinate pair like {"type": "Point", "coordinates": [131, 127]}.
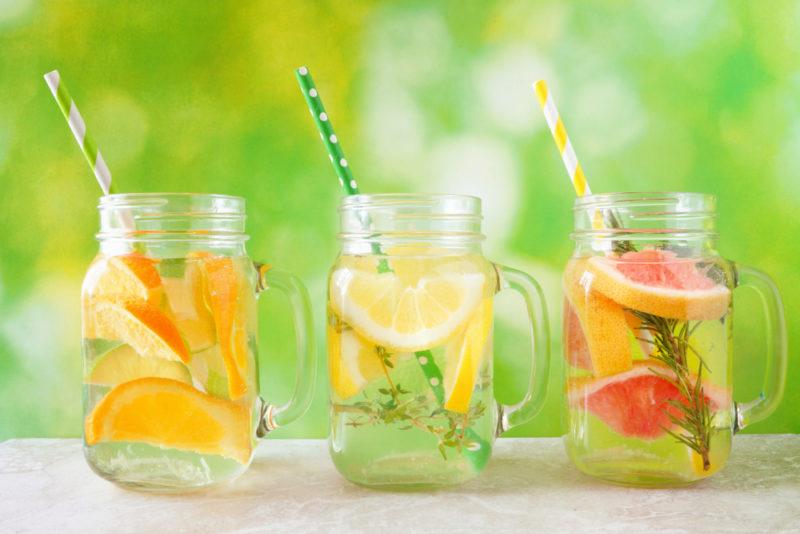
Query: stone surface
{"type": "Point", "coordinates": [529, 485]}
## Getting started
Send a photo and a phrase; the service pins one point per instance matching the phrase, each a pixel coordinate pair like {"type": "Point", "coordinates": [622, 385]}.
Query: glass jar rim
{"type": "Point", "coordinates": [367, 200]}
{"type": "Point", "coordinates": [446, 219]}
{"type": "Point", "coordinates": [645, 215]}
{"type": "Point", "coordinates": [172, 216]}
{"type": "Point", "coordinates": [613, 199]}
{"type": "Point", "coordinates": [121, 200]}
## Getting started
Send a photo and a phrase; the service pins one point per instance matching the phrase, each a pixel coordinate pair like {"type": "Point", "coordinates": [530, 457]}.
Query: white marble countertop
{"type": "Point", "coordinates": [529, 486]}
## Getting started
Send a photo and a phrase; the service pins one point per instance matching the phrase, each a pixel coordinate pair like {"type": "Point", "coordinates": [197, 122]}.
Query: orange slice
{"type": "Point", "coordinates": [168, 413]}
{"type": "Point", "coordinates": [223, 292]}
{"type": "Point", "coordinates": [128, 276]}
{"type": "Point", "coordinates": [659, 283]}
{"type": "Point", "coordinates": [602, 320]}
{"type": "Point", "coordinates": [188, 307]}
{"type": "Point", "coordinates": [142, 326]}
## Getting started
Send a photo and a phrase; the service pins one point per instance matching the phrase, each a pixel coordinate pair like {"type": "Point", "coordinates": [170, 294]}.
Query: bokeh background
{"type": "Point", "coordinates": [426, 96]}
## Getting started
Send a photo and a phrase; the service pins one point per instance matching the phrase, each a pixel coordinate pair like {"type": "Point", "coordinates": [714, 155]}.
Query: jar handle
{"type": "Point", "coordinates": [776, 354]}
{"type": "Point", "coordinates": [273, 416]}
{"type": "Point", "coordinates": [531, 292]}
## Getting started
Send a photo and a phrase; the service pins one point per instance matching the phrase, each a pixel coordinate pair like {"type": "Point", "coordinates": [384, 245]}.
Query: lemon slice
{"type": "Point", "coordinates": [353, 362]}
{"type": "Point", "coordinates": [123, 364]}
{"type": "Point", "coordinates": [413, 307]}
{"type": "Point", "coordinates": [464, 356]}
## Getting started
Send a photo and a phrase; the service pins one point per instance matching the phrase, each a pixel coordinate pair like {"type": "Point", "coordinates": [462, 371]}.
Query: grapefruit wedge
{"type": "Point", "coordinates": [602, 322]}
{"type": "Point", "coordinates": [659, 283]}
{"type": "Point", "coordinates": [169, 413]}
{"type": "Point", "coordinates": [636, 403]}
{"type": "Point", "coordinates": [576, 348]}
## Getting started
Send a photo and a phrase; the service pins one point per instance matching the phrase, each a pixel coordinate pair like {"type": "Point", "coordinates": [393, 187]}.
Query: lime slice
{"type": "Point", "coordinates": [123, 364]}
{"type": "Point", "coordinates": [208, 370]}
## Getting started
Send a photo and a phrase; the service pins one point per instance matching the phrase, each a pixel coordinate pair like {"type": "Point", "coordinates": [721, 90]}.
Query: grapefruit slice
{"type": "Point", "coordinates": [603, 323]}
{"type": "Point", "coordinates": [142, 326]}
{"type": "Point", "coordinates": [636, 403]}
{"type": "Point", "coordinates": [353, 362]}
{"type": "Point", "coordinates": [413, 307]}
{"type": "Point", "coordinates": [223, 292]}
{"type": "Point", "coordinates": [123, 364]}
{"type": "Point", "coordinates": [168, 413]}
{"type": "Point", "coordinates": [659, 283]}
{"type": "Point", "coordinates": [464, 356]}
{"type": "Point", "coordinates": [576, 348]}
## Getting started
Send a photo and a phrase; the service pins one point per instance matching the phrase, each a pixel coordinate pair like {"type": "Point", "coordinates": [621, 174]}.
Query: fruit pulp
{"type": "Point", "coordinates": [411, 388]}
{"type": "Point", "coordinates": [169, 369]}
{"type": "Point", "coordinates": [634, 425]}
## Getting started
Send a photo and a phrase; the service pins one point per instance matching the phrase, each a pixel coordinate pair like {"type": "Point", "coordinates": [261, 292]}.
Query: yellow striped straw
{"type": "Point", "coordinates": [556, 126]}
{"type": "Point", "coordinates": [564, 145]}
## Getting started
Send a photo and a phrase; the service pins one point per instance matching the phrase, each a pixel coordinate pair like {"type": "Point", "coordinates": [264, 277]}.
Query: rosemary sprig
{"type": "Point", "coordinates": [670, 339]}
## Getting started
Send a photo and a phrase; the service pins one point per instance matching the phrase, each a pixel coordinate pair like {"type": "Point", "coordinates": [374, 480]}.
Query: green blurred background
{"type": "Point", "coordinates": [426, 96]}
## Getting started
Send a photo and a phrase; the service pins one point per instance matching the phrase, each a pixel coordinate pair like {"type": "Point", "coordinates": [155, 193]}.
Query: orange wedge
{"type": "Point", "coordinates": [128, 276]}
{"type": "Point", "coordinates": [659, 283]}
{"type": "Point", "coordinates": [188, 308]}
{"type": "Point", "coordinates": [142, 326]}
{"type": "Point", "coordinates": [603, 322]}
{"type": "Point", "coordinates": [168, 413]}
{"type": "Point", "coordinates": [223, 291]}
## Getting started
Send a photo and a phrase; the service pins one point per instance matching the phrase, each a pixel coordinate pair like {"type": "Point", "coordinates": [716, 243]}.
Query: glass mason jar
{"type": "Point", "coordinates": [647, 340]}
{"type": "Point", "coordinates": [169, 343]}
{"type": "Point", "coordinates": [410, 342]}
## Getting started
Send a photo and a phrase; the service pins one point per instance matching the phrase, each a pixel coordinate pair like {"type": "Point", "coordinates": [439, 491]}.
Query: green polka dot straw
{"type": "Point", "coordinates": [326, 133]}
{"type": "Point", "coordinates": [433, 375]}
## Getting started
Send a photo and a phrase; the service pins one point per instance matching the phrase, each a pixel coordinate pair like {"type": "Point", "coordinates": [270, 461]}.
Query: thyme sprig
{"type": "Point", "coordinates": [670, 340]}
{"type": "Point", "coordinates": [396, 405]}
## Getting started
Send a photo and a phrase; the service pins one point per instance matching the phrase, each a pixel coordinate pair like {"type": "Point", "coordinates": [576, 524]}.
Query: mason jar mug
{"type": "Point", "coordinates": [647, 340]}
{"type": "Point", "coordinates": [410, 342]}
{"type": "Point", "coordinates": [169, 343]}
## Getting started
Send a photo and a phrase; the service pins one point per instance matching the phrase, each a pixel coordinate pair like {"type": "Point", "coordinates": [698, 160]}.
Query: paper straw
{"type": "Point", "coordinates": [326, 133]}
{"type": "Point", "coordinates": [568, 156]}
{"type": "Point", "coordinates": [561, 138]}
{"type": "Point", "coordinates": [78, 127]}
{"type": "Point", "coordinates": [433, 375]}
